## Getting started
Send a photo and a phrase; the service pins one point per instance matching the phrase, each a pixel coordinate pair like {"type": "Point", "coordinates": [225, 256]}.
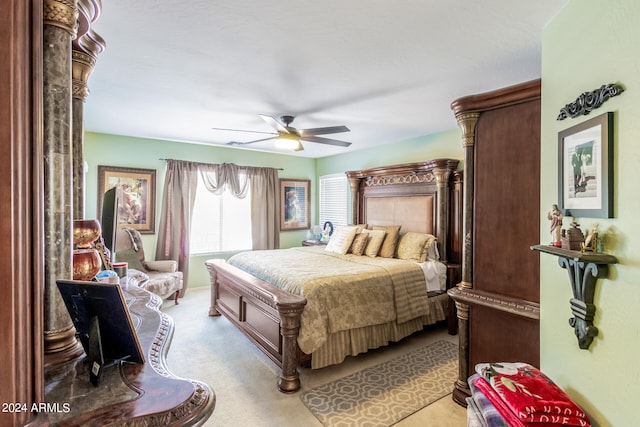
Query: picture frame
{"type": "Point", "coordinates": [136, 195]}
{"type": "Point", "coordinates": [585, 168]}
{"type": "Point", "coordinates": [295, 202]}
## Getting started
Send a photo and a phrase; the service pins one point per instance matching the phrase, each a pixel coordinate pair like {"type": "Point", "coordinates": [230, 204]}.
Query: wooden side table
{"type": "Point", "coordinates": [313, 243]}
{"type": "Point", "coordinates": [130, 394]}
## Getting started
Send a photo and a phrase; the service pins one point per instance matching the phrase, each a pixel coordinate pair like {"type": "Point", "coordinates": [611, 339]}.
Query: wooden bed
{"type": "Point", "coordinates": [423, 197]}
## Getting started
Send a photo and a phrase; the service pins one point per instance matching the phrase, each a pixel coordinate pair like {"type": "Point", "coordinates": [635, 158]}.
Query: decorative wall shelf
{"type": "Point", "coordinates": [584, 268]}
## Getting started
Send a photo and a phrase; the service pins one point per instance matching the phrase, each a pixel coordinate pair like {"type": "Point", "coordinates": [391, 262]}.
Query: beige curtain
{"type": "Point", "coordinates": [226, 176]}
{"type": "Point", "coordinates": [265, 208]}
{"type": "Point", "coordinates": [178, 197]}
{"type": "Point", "coordinates": [180, 185]}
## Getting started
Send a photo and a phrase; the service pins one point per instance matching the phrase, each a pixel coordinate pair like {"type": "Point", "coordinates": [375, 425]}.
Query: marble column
{"type": "Point", "coordinates": [60, 24]}
{"type": "Point", "coordinates": [82, 64]}
{"type": "Point", "coordinates": [86, 48]}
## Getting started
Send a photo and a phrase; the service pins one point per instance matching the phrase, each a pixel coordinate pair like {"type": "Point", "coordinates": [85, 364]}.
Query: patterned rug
{"type": "Point", "coordinates": [386, 393]}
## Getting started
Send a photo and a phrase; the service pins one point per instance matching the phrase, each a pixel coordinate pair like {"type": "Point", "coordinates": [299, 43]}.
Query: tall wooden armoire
{"type": "Point", "coordinates": [498, 298]}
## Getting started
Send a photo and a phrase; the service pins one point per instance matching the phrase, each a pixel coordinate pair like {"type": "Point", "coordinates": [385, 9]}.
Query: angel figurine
{"type": "Point", "coordinates": [555, 216]}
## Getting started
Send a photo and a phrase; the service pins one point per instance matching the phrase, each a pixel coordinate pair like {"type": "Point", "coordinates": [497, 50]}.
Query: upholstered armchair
{"type": "Point", "coordinates": [159, 277]}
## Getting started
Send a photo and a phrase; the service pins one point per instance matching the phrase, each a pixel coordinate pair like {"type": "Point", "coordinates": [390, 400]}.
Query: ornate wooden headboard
{"type": "Point", "coordinates": [425, 197]}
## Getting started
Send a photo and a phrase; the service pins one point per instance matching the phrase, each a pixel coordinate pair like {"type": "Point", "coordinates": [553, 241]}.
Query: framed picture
{"type": "Point", "coordinates": [585, 168]}
{"type": "Point", "coordinates": [294, 204]}
{"type": "Point", "coordinates": [136, 195]}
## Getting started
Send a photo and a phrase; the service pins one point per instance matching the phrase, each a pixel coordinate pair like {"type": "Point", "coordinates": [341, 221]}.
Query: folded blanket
{"type": "Point", "coordinates": [530, 395]}
{"type": "Point", "coordinates": [489, 412]}
{"type": "Point", "coordinates": [508, 415]}
{"type": "Point", "coordinates": [474, 416]}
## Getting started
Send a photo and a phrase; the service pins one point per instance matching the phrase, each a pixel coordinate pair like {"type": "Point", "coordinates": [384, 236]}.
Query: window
{"type": "Point", "coordinates": [220, 223]}
{"type": "Point", "coordinates": [334, 191]}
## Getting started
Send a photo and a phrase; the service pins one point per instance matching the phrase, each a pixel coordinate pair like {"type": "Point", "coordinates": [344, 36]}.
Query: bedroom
{"type": "Point", "coordinates": [608, 398]}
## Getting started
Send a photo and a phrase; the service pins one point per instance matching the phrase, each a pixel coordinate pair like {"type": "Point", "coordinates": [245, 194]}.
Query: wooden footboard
{"type": "Point", "coordinates": [267, 315]}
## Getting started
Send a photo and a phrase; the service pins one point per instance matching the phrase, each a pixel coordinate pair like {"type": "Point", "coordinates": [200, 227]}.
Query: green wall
{"type": "Point", "coordinates": [590, 43]}
{"type": "Point", "coordinates": [439, 145]}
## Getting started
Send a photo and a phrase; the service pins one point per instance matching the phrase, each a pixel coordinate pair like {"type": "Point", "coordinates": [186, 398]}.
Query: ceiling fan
{"type": "Point", "coordinates": [286, 132]}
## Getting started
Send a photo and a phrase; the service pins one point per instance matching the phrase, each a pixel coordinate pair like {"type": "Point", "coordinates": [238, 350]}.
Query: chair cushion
{"type": "Point", "coordinates": [163, 284]}
{"type": "Point", "coordinates": [131, 257]}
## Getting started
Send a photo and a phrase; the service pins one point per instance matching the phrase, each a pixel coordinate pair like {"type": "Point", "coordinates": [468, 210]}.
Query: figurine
{"type": "Point", "coordinates": [555, 216]}
{"type": "Point", "coordinates": [591, 242]}
{"type": "Point", "coordinates": [573, 238]}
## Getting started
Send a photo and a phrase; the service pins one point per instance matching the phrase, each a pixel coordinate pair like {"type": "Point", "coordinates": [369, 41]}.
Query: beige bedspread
{"type": "Point", "coordinates": [342, 291]}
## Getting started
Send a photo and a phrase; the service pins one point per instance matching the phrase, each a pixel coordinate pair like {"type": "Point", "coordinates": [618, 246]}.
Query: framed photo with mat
{"type": "Point", "coordinates": [585, 168]}
{"type": "Point", "coordinates": [295, 202]}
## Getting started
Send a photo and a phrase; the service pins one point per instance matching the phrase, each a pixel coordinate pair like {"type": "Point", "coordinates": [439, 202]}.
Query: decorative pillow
{"type": "Point", "coordinates": [432, 252]}
{"type": "Point", "coordinates": [131, 257]}
{"type": "Point", "coordinates": [414, 246]}
{"type": "Point", "coordinates": [388, 248]}
{"type": "Point", "coordinates": [375, 241]}
{"type": "Point", "coordinates": [341, 239]}
{"type": "Point", "coordinates": [359, 243]}
{"type": "Point", "coordinates": [360, 227]}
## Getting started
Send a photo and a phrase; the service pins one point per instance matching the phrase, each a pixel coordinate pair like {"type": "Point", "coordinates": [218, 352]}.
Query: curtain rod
{"type": "Point", "coordinates": [166, 160]}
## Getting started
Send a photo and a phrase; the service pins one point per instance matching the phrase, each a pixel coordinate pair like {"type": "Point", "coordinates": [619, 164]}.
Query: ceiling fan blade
{"type": "Point", "coordinates": [250, 142]}
{"type": "Point", "coordinates": [275, 123]}
{"type": "Point", "coordinates": [242, 130]}
{"type": "Point", "coordinates": [323, 131]}
{"type": "Point", "coordinates": [321, 140]}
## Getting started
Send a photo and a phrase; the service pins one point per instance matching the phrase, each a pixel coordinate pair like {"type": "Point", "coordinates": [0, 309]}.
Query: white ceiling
{"type": "Point", "coordinates": [387, 70]}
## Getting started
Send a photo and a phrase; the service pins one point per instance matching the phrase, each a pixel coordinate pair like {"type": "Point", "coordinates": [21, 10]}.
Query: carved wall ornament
{"type": "Point", "coordinates": [406, 179]}
{"type": "Point", "coordinates": [589, 101]}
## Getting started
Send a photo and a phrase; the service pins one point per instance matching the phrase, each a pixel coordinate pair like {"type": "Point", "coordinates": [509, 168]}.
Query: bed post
{"type": "Point", "coordinates": [213, 276]}
{"type": "Point", "coordinates": [289, 381]}
{"type": "Point", "coordinates": [354, 184]}
{"type": "Point", "coordinates": [442, 175]}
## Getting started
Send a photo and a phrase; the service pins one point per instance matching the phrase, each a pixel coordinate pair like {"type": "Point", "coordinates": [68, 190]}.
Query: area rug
{"type": "Point", "coordinates": [386, 393]}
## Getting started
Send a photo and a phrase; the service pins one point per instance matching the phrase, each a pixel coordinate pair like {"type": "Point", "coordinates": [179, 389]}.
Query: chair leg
{"type": "Point", "coordinates": [177, 295]}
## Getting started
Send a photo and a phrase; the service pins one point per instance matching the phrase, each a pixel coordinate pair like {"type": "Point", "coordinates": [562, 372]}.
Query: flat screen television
{"type": "Point", "coordinates": [109, 220]}
{"type": "Point", "coordinates": [103, 324]}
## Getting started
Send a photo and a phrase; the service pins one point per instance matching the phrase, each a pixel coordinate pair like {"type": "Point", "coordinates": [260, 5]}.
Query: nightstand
{"type": "Point", "coordinates": [313, 243]}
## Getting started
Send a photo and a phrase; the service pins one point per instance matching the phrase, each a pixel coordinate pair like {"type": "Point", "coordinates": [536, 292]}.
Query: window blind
{"type": "Point", "coordinates": [334, 190]}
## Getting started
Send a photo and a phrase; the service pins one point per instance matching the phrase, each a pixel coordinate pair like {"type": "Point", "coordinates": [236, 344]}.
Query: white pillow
{"type": "Point", "coordinates": [341, 239]}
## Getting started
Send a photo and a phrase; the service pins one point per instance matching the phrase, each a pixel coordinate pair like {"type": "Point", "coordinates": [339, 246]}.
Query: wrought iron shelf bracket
{"type": "Point", "coordinates": [584, 269]}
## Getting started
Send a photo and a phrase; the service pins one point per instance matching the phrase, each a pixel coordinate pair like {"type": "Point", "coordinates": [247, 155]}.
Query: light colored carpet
{"type": "Point", "coordinates": [382, 395]}
{"type": "Point", "coordinates": [212, 350]}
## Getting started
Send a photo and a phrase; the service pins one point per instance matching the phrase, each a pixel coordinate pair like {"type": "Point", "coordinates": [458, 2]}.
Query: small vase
{"type": "Point", "coordinates": [86, 264]}
{"type": "Point", "coordinates": [86, 260]}
{"type": "Point", "coordinates": [85, 232]}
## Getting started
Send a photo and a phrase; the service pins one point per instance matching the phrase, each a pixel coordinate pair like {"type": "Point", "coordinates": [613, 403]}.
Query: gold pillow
{"type": "Point", "coordinates": [359, 243]}
{"type": "Point", "coordinates": [414, 246]}
{"type": "Point", "coordinates": [388, 248]}
{"type": "Point", "coordinates": [375, 241]}
{"type": "Point", "coordinates": [360, 227]}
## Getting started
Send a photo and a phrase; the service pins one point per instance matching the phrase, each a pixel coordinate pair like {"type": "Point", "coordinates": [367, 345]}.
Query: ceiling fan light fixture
{"type": "Point", "coordinates": [288, 144]}
{"type": "Point", "coordinates": [288, 137]}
